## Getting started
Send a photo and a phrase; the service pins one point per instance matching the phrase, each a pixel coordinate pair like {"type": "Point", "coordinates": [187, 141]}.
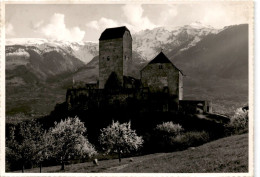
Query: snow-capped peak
{"type": "Point", "coordinates": [199, 25]}
{"type": "Point", "coordinates": [84, 50]}
{"type": "Point", "coordinates": [25, 41]}
{"type": "Point", "coordinates": [40, 41]}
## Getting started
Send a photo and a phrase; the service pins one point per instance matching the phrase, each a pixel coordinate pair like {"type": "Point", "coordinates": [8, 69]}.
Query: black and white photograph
{"type": "Point", "coordinates": [127, 87]}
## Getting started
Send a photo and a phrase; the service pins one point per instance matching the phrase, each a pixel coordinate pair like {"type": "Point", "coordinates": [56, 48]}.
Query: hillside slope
{"type": "Point", "coordinates": [226, 155]}
{"type": "Point", "coordinates": [217, 68]}
{"type": "Point", "coordinates": [32, 78]}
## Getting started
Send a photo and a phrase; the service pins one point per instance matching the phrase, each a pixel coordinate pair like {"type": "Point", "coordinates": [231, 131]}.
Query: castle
{"type": "Point", "coordinates": [160, 87]}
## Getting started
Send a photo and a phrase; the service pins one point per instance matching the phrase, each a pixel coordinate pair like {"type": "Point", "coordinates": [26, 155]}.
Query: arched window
{"type": "Point", "coordinates": [108, 58]}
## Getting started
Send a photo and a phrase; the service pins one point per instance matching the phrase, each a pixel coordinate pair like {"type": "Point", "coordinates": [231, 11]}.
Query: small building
{"type": "Point", "coordinates": [161, 76]}
{"type": "Point", "coordinates": [195, 106]}
{"type": "Point", "coordinates": [115, 53]}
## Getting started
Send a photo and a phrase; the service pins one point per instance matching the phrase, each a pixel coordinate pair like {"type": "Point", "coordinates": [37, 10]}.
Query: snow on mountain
{"type": "Point", "coordinates": [146, 43]}
{"type": "Point", "coordinates": [25, 41]}
{"type": "Point", "coordinates": [149, 42]}
{"type": "Point", "coordinates": [199, 25]}
{"type": "Point", "coordinates": [85, 51]}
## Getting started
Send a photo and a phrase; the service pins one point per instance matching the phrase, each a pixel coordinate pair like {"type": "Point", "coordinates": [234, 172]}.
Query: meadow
{"type": "Point", "coordinates": [228, 154]}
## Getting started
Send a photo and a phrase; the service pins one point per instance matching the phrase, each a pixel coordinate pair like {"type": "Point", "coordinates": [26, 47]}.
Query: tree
{"type": "Point", "coordinates": [46, 149]}
{"type": "Point", "coordinates": [25, 143]}
{"type": "Point", "coordinates": [69, 140]}
{"type": "Point", "coordinates": [239, 121]}
{"type": "Point", "coordinates": [164, 134]}
{"type": "Point", "coordinates": [120, 138]}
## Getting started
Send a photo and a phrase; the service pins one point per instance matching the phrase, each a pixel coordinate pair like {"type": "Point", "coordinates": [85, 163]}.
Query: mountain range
{"type": "Point", "coordinates": [214, 61]}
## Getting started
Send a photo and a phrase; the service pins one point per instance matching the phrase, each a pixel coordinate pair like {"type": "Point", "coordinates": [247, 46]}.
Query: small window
{"type": "Point", "coordinates": [108, 58]}
{"type": "Point", "coordinates": [125, 57]}
{"type": "Point", "coordinates": [160, 67]}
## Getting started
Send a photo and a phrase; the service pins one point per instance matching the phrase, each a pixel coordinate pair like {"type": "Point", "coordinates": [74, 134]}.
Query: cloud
{"type": "Point", "coordinates": [57, 30]}
{"type": "Point", "coordinates": [102, 23]}
{"type": "Point", "coordinates": [9, 29]}
{"type": "Point", "coordinates": [219, 15]}
{"type": "Point", "coordinates": [135, 20]}
{"type": "Point", "coordinates": [167, 15]}
{"type": "Point", "coordinates": [135, 17]}
{"type": "Point", "coordinates": [38, 24]}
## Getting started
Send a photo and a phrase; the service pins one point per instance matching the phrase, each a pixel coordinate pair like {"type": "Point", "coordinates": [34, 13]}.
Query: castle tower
{"type": "Point", "coordinates": [160, 74]}
{"type": "Point", "coordinates": [115, 52]}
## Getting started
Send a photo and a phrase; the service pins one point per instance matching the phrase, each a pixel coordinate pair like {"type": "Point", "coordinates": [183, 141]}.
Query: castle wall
{"type": "Point", "coordinates": [195, 106]}
{"type": "Point", "coordinates": [180, 86]}
{"type": "Point", "coordinates": [157, 79]}
{"type": "Point", "coordinates": [127, 52]}
{"type": "Point", "coordinates": [110, 60]}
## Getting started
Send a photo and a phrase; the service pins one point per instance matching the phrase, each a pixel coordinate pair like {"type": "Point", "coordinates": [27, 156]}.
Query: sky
{"type": "Point", "coordinates": [85, 22]}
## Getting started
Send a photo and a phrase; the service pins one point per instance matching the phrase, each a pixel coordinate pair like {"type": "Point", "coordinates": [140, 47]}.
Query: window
{"type": "Point", "coordinates": [108, 58]}
{"type": "Point", "coordinates": [125, 57]}
{"type": "Point", "coordinates": [160, 67]}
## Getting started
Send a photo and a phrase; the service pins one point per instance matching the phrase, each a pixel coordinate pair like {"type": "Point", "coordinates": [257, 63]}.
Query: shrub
{"type": "Point", "coordinates": [162, 135]}
{"type": "Point", "coordinates": [169, 128]}
{"type": "Point", "coordinates": [189, 139]}
{"type": "Point", "coordinates": [170, 137]}
{"type": "Point", "coordinates": [239, 122]}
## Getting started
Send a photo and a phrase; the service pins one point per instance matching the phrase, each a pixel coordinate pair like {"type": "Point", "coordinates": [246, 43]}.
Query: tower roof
{"type": "Point", "coordinates": [113, 33]}
{"type": "Point", "coordinates": [160, 58]}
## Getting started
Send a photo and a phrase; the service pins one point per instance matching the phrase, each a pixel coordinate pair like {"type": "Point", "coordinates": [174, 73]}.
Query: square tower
{"type": "Point", "coordinates": [161, 74]}
{"type": "Point", "coordinates": [115, 52]}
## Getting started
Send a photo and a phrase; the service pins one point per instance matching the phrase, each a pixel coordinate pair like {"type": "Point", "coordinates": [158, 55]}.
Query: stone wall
{"type": "Point", "coordinates": [180, 86]}
{"type": "Point", "coordinates": [195, 106]}
{"type": "Point", "coordinates": [110, 60]}
{"type": "Point", "coordinates": [158, 76]}
{"type": "Point", "coordinates": [127, 52]}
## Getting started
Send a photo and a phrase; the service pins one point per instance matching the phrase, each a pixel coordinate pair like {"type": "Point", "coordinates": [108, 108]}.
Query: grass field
{"type": "Point", "coordinates": [224, 155]}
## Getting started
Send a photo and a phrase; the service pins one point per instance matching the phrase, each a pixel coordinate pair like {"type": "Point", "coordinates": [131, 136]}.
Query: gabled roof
{"type": "Point", "coordinates": [113, 33]}
{"type": "Point", "coordinates": [161, 58]}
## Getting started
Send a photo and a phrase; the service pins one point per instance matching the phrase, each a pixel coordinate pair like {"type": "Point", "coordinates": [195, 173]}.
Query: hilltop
{"type": "Point", "coordinates": [214, 61]}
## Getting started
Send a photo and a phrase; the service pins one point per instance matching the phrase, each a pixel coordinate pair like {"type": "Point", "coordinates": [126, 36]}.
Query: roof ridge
{"type": "Point", "coordinates": [162, 58]}
{"type": "Point", "coordinates": [114, 33]}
